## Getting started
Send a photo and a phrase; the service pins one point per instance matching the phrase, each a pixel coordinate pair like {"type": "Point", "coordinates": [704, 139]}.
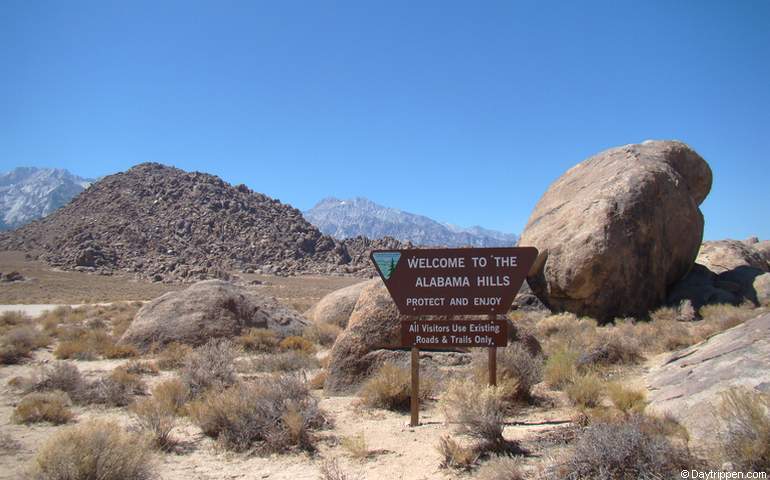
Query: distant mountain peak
{"type": "Point", "coordinates": [29, 193]}
{"type": "Point", "coordinates": [360, 216]}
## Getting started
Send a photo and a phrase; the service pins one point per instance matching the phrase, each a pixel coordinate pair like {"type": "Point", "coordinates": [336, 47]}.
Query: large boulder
{"type": "Point", "coordinates": [336, 307]}
{"type": "Point", "coordinates": [723, 255]}
{"type": "Point", "coordinates": [688, 384]}
{"type": "Point", "coordinates": [615, 231]}
{"type": "Point", "coordinates": [374, 325]}
{"type": "Point", "coordinates": [209, 309]}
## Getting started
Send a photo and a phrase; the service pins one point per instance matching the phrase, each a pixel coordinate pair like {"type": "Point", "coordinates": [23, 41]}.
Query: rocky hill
{"type": "Point", "coordinates": [28, 193]}
{"type": "Point", "coordinates": [167, 224]}
{"type": "Point", "coordinates": [360, 216]}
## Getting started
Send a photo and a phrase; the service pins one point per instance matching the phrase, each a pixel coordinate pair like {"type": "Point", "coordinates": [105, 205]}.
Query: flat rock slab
{"type": "Point", "coordinates": [689, 383]}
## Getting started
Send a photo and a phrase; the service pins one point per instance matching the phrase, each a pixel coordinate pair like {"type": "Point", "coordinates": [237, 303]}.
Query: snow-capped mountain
{"type": "Point", "coordinates": [360, 216]}
{"type": "Point", "coordinates": [29, 193]}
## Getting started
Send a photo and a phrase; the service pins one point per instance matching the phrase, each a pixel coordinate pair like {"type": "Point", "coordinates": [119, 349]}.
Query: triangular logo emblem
{"type": "Point", "coordinates": [386, 262]}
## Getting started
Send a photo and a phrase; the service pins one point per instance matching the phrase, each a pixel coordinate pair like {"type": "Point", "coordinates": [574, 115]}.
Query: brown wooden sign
{"type": "Point", "coordinates": [454, 281]}
{"type": "Point", "coordinates": [454, 333]}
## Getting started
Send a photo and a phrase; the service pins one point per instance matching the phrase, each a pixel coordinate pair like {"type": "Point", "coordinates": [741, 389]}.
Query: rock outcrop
{"type": "Point", "coordinates": [615, 231]}
{"type": "Point", "coordinates": [166, 224]}
{"type": "Point", "coordinates": [727, 271]}
{"type": "Point", "coordinates": [689, 383]}
{"type": "Point", "coordinates": [209, 309]}
{"type": "Point", "coordinates": [723, 255]}
{"type": "Point", "coordinates": [336, 307]}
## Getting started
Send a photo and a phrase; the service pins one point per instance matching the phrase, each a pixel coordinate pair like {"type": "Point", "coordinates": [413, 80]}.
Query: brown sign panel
{"type": "Point", "coordinates": [454, 281]}
{"type": "Point", "coordinates": [454, 333]}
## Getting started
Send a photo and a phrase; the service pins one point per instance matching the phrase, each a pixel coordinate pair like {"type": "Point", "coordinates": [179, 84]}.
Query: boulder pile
{"type": "Point", "coordinates": [166, 224]}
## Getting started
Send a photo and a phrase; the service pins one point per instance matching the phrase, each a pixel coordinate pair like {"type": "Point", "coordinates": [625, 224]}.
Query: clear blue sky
{"type": "Point", "coordinates": [463, 111]}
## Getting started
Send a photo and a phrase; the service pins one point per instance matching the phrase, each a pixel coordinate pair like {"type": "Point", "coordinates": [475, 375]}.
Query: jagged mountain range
{"type": "Point", "coordinates": [360, 216]}
{"type": "Point", "coordinates": [28, 193]}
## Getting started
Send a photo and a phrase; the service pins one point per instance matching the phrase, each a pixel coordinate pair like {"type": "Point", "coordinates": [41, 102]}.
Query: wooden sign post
{"type": "Point", "coordinates": [453, 281]}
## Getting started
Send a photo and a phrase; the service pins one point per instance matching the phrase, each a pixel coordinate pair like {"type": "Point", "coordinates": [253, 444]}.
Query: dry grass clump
{"type": "Point", "coordinates": [561, 368]}
{"type": "Point", "coordinates": [356, 446]}
{"type": "Point", "coordinates": [120, 351]}
{"type": "Point", "coordinates": [322, 333]}
{"type": "Point", "coordinates": [629, 449]}
{"type": "Point", "coordinates": [12, 319]}
{"type": "Point", "coordinates": [746, 438]}
{"type": "Point", "coordinates": [586, 390]}
{"type": "Point", "coordinates": [173, 356]}
{"type": "Point", "coordinates": [391, 388]}
{"type": "Point", "coordinates": [18, 342]}
{"type": "Point", "coordinates": [724, 316]}
{"type": "Point", "coordinates": [501, 468]}
{"type": "Point", "coordinates": [455, 455]}
{"type": "Point", "coordinates": [93, 450]}
{"type": "Point", "coordinates": [298, 344]}
{"type": "Point", "coordinates": [62, 376]}
{"type": "Point", "coordinates": [156, 418]}
{"type": "Point", "coordinates": [318, 380]}
{"type": "Point", "coordinates": [90, 345]}
{"type": "Point", "coordinates": [274, 415]}
{"type": "Point", "coordinates": [479, 412]}
{"type": "Point", "coordinates": [53, 407]}
{"type": "Point", "coordinates": [331, 470]}
{"type": "Point", "coordinates": [210, 366]}
{"type": "Point", "coordinates": [517, 370]}
{"type": "Point", "coordinates": [172, 395]}
{"type": "Point", "coordinates": [290, 361]}
{"type": "Point", "coordinates": [141, 368]}
{"type": "Point", "coordinates": [259, 340]}
{"type": "Point", "coordinates": [625, 399]}
{"type": "Point", "coordinates": [613, 345]}
{"type": "Point", "coordinates": [116, 389]}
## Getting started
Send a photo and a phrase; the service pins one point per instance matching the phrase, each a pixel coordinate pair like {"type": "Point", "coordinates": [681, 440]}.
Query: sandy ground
{"type": "Point", "coordinates": [398, 451]}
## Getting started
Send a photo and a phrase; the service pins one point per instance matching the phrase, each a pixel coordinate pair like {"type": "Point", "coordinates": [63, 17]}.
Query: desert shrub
{"type": "Point", "coordinates": [664, 314]}
{"type": "Point", "coordinates": [455, 455]}
{"type": "Point", "coordinates": [173, 356]}
{"type": "Point", "coordinates": [18, 342]}
{"type": "Point", "coordinates": [623, 450]}
{"type": "Point", "coordinates": [89, 345]}
{"type": "Point", "coordinates": [390, 387]}
{"type": "Point", "coordinates": [726, 316]}
{"type": "Point", "coordinates": [13, 319]}
{"type": "Point", "coordinates": [141, 368]}
{"type": "Point", "coordinates": [517, 370]}
{"type": "Point", "coordinates": [116, 389]}
{"type": "Point", "coordinates": [501, 468]}
{"type": "Point", "coordinates": [614, 345]}
{"type": "Point", "coordinates": [479, 412]}
{"type": "Point", "coordinates": [322, 333]}
{"type": "Point", "coordinates": [555, 324]}
{"type": "Point", "coordinates": [746, 437]}
{"type": "Point", "coordinates": [331, 470]}
{"type": "Point", "coordinates": [210, 366]}
{"type": "Point", "coordinates": [63, 376]}
{"type": "Point", "coordinates": [50, 407]}
{"type": "Point", "coordinates": [156, 418]}
{"type": "Point", "coordinates": [75, 350]}
{"type": "Point", "coordinates": [625, 399]}
{"type": "Point", "coordinates": [356, 446]}
{"type": "Point", "coordinates": [93, 450]}
{"type": "Point", "coordinates": [290, 361]}
{"type": "Point", "coordinates": [585, 390]}
{"type": "Point", "coordinates": [318, 380]}
{"type": "Point", "coordinates": [120, 351]}
{"type": "Point", "coordinates": [276, 414]}
{"type": "Point", "coordinates": [297, 343]}
{"type": "Point", "coordinates": [172, 395]}
{"type": "Point", "coordinates": [561, 368]}
{"type": "Point", "coordinates": [260, 340]}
